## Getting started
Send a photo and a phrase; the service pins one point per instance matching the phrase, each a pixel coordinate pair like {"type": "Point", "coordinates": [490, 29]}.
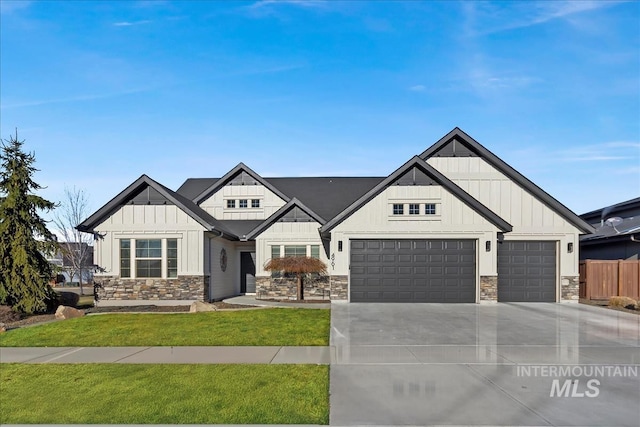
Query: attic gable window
{"type": "Point", "coordinates": [414, 209]}
{"type": "Point", "coordinates": [243, 203]}
{"type": "Point", "coordinates": [398, 209]}
{"type": "Point", "coordinates": [430, 209]}
{"type": "Point", "coordinates": [231, 204]}
{"type": "Point", "coordinates": [255, 203]}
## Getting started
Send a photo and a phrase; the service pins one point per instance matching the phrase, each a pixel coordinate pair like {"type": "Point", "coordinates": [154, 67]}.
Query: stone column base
{"type": "Point", "coordinates": [569, 288]}
{"type": "Point", "coordinates": [489, 288]}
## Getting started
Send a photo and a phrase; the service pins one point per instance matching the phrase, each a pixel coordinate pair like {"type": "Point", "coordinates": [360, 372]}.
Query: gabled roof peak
{"type": "Point", "coordinates": [437, 177]}
{"type": "Point", "coordinates": [446, 147]}
{"type": "Point", "coordinates": [291, 204]}
{"type": "Point", "coordinates": [229, 176]}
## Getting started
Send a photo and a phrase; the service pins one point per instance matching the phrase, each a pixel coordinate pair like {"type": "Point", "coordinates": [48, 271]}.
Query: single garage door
{"type": "Point", "coordinates": [413, 271]}
{"type": "Point", "coordinates": [527, 271]}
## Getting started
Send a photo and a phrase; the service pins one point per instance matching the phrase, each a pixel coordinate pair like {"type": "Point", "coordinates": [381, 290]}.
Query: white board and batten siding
{"type": "Point", "coordinates": [531, 219]}
{"type": "Point", "coordinates": [223, 284]}
{"type": "Point", "coordinates": [286, 233]}
{"type": "Point", "coordinates": [216, 205]}
{"type": "Point", "coordinates": [375, 220]}
{"type": "Point", "coordinates": [151, 222]}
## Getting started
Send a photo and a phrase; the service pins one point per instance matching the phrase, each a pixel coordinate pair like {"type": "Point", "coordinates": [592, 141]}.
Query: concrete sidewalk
{"type": "Point", "coordinates": [251, 300]}
{"type": "Point", "coordinates": [180, 355]}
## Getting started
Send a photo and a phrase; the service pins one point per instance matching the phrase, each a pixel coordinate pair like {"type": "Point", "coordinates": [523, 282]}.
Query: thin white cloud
{"type": "Point", "coordinates": [418, 88]}
{"type": "Point", "coordinates": [8, 6]}
{"type": "Point", "coordinates": [489, 18]}
{"type": "Point", "coordinates": [595, 158]}
{"type": "Point", "coordinates": [611, 151]}
{"type": "Point", "coordinates": [309, 4]}
{"type": "Point", "coordinates": [131, 24]}
{"type": "Point", "coordinates": [80, 98]}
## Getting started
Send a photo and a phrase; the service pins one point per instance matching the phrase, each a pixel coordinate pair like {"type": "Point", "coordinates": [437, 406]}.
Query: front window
{"type": "Point", "coordinates": [255, 203]}
{"type": "Point", "coordinates": [149, 258]}
{"type": "Point", "coordinates": [243, 203]}
{"type": "Point", "coordinates": [231, 204]}
{"type": "Point", "coordinates": [398, 209]}
{"type": "Point", "coordinates": [125, 258]}
{"type": "Point", "coordinates": [315, 251]}
{"type": "Point", "coordinates": [298, 250]}
{"type": "Point", "coordinates": [275, 251]}
{"type": "Point", "coordinates": [414, 209]}
{"type": "Point", "coordinates": [430, 209]}
{"type": "Point", "coordinates": [172, 258]}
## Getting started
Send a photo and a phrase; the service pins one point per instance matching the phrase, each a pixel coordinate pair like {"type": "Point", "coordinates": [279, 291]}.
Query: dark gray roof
{"type": "Point", "coordinates": [291, 204]}
{"type": "Point", "coordinates": [241, 227]}
{"type": "Point", "coordinates": [326, 196]}
{"type": "Point", "coordinates": [473, 147]}
{"type": "Point", "coordinates": [188, 206]}
{"type": "Point", "coordinates": [194, 186]}
{"type": "Point", "coordinates": [432, 173]}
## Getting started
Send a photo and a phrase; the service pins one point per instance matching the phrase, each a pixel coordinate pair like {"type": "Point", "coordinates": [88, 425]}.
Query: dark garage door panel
{"type": "Point", "coordinates": [413, 271]}
{"type": "Point", "coordinates": [527, 271]}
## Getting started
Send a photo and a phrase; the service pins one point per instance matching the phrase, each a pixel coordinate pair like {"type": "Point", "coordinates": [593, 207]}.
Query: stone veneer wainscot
{"type": "Point", "coordinates": [181, 288]}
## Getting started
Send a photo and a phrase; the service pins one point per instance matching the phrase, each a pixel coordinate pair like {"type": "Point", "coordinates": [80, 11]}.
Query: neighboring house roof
{"type": "Point", "coordinates": [628, 227]}
{"type": "Point", "coordinates": [154, 194]}
{"type": "Point", "coordinates": [233, 173]}
{"type": "Point", "coordinates": [431, 173]}
{"type": "Point", "coordinates": [458, 144]}
{"type": "Point", "coordinates": [281, 213]}
{"type": "Point", "coordinates": [623, 209]}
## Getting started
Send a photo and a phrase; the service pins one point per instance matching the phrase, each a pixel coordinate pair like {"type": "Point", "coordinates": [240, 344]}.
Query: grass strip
{"type": "Point", "coordinates": [164, 394]}
{"type": "Point", "coordinates": [268, 327]}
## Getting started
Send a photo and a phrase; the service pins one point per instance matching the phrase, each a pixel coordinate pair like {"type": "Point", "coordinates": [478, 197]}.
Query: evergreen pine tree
{"type": "Point", "coordinates": [24, 237]}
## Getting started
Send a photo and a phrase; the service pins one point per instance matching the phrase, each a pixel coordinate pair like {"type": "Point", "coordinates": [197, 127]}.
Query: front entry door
{"type": "Point", "coordinates": [248, 272]}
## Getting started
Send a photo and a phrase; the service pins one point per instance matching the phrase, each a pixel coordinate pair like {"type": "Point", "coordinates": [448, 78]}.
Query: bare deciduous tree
{"type": "Point", "coordinates": [75, 248]}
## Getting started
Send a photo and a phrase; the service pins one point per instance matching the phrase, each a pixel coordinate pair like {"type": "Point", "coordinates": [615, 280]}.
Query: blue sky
{"type": "Point", "coordinates": [103, 92]}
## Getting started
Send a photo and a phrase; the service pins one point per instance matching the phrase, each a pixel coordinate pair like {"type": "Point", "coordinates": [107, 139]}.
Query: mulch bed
{"type": "Point", "coordinates": [604, 304]}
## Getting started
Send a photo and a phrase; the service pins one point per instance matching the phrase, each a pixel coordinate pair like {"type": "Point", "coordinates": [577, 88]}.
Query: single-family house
{"type": "Point", "coordinates": [453, 224]}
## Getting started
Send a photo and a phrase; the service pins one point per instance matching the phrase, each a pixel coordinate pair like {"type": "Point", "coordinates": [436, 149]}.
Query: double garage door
{"type": "Point", "coordinates": [413, 271]}
{"type": "Point", "coordinates": [444, 271]}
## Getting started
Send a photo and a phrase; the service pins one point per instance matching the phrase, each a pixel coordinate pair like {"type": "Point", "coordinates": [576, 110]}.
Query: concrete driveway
{"type": "Point", "coordinates": [494, 364]}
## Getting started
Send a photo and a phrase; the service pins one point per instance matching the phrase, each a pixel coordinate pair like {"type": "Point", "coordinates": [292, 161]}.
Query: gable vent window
{"type": "Point", "coordinates": [243, 203]}
{"type": "Point", "coordinates": [430, 209]}
{"type": "Point", "coordinates": [255, 203]}
{"type": "Point", "coordinates": [398, 209]}
{"type": "Point", "coordinates": [414, 209]}
{"type": "Point", "coordinates": [231, 204]}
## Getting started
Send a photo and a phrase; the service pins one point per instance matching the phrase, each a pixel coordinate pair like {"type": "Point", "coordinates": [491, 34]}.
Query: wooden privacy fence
{"type": "Point", "coordinates": [601, 279]}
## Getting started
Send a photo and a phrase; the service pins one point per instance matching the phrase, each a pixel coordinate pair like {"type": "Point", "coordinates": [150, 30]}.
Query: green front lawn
{"type": "Point", "coordinates": [276, 327]}
{"type": "Point", "coordinates": [164, 394]}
